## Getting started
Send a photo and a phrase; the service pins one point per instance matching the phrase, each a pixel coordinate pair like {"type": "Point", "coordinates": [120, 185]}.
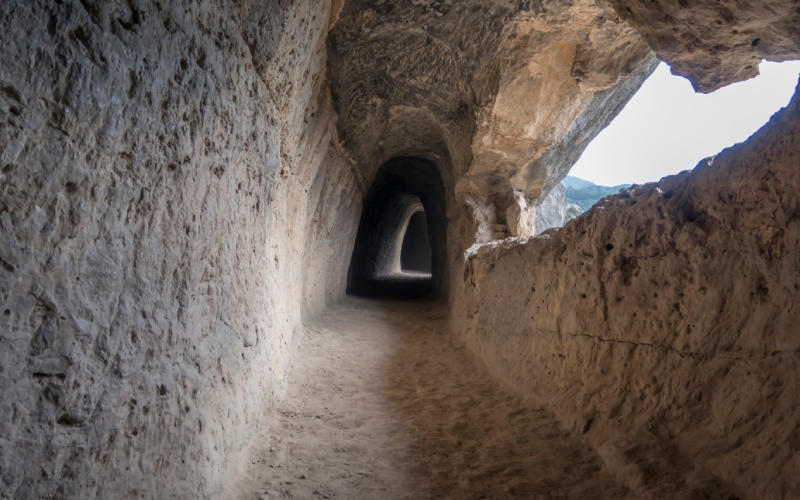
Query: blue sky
{"type": "Point", "coordinates": [667, 127]}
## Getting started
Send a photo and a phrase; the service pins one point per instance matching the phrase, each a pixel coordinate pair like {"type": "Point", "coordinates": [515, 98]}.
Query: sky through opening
{"type": "Point", "coordinates": [667, 127]}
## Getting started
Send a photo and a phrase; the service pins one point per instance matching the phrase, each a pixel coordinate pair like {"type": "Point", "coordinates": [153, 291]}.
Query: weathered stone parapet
{"type": "Point", "coordinates": [662, 323]}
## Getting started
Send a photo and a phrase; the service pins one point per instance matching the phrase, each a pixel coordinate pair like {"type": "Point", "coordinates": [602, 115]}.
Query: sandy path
{"type": "Point", "coordinates": [383, 403]}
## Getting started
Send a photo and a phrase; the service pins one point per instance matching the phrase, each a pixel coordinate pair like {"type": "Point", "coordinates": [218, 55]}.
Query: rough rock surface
{"type": "Point", "coordinates": [662, 324]}
{"type": "Point", "coordinates": [716, 43]}
{"type": "Point", "coordinates": [170, 205]}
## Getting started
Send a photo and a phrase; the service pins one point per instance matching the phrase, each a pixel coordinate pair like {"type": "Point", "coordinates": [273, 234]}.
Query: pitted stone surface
{"type": "Point", "coordinates": [714, 43]}
{"type": "Point", "coordinates": [181, 184]}
{"type": "Point", "coordinates": [162, 187]}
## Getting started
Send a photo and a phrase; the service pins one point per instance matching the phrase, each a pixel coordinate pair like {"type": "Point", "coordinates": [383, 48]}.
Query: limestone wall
{"type": "Point", "coordinates": [170, 207]}
{"type": "Point", "coordinates": [663, 323]}
{"type": "Point", "coordinates": [715, 43]}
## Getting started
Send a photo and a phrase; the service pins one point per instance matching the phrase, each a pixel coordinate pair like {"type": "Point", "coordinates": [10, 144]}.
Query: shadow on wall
{"type": "Point", "coordinates": [400, 246]}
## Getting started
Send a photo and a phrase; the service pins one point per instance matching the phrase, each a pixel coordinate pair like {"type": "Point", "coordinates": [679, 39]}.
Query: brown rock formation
{"type": "Point", "coordinates": [445, 80]}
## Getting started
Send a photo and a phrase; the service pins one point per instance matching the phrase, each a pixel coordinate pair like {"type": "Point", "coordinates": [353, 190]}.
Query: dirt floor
{"type": "Point", "coordinates": [384, 403]}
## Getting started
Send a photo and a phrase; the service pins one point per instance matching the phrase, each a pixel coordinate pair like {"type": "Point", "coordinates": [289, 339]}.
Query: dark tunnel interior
{"type": "Point", "coordinates": [415, 254]}
{"type": "Point", "coordinates": [400, 245]}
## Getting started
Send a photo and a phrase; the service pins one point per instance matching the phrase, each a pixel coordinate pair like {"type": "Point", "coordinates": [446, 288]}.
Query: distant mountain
{"type": "Point", "coordinates": [568, 200]}
{"type": "Point", "coordinates": [584, 194]}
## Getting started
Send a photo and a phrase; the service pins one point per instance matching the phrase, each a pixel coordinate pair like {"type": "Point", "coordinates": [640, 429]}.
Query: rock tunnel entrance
{"type": "Point", "coordinates": [399, 250]}
{"type": "Point", "coordinates": [415, 254]}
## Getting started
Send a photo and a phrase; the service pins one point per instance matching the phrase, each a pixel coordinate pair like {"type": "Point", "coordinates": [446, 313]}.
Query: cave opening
{"type": "Point", "coordinates": [638, 145]}
{"type": "Point", "coordinates": [415, 253]}
{"type": "Point", "coordinates": [399, 251]}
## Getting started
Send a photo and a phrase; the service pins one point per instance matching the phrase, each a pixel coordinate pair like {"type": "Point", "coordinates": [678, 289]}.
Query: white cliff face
{"type": "Point", "coordinates": [170, 206]}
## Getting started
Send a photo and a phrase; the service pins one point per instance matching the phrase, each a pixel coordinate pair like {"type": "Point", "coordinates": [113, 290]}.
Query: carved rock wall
{"type": "Point", "coordinates": [662, 324]}
{"type": "Point", "coordinates": [170, 207]}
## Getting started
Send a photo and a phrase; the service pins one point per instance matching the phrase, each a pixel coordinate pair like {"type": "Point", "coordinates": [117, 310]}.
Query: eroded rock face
{"type": "Point", "coordinates": [662, 324]}
{"type": "Point", "coordinates": [716, 43]}
{"type": "Point", "coordinates": [170, 205]}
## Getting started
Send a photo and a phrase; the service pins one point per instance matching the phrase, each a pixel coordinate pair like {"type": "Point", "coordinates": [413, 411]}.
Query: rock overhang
{"type": "Point", "coordinates": [484, 89]}
{"type": "Point", "coordinates": [506, 95]}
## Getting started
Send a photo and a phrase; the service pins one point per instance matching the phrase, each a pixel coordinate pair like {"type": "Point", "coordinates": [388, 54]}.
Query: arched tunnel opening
{"type": "Point", "coordinates": [415, 254]}
{"type": "Point", "coordinates": [400, 244]}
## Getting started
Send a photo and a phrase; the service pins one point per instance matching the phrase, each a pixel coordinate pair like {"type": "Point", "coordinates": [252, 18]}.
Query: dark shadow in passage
{"type": "Point", "coordinates": [402, 188]}
{"type": "Point", "coordinates": [415, 255]}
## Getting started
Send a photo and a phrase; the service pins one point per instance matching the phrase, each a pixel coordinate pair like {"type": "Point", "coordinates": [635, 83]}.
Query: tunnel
{"type": "Point", "coordinates": [400, 244]}
{"type": "Point", "coordinates": [415, 253]}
